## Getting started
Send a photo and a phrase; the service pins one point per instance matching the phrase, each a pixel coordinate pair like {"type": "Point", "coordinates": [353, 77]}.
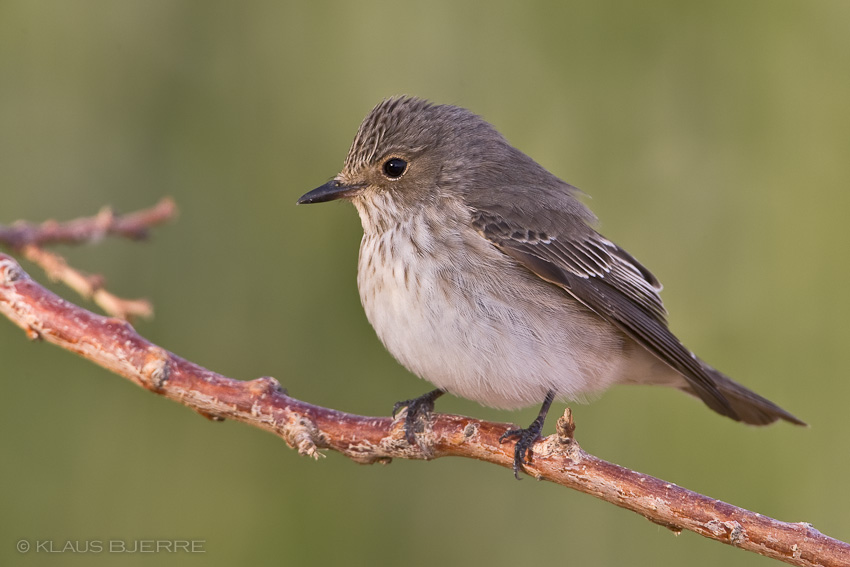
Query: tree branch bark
{"type": "Point", "coordinates": [115, 345]}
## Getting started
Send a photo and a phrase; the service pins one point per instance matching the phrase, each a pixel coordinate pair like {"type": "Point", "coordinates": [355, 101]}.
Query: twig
{"type": "Point", "coordinates": [88, 286]}
{"type": "Point", "coordinates": [30, 239]}
{"type": "Point", "coordinates": [134, 226]}
{"type": "Point", "coordinates": [115, 345]}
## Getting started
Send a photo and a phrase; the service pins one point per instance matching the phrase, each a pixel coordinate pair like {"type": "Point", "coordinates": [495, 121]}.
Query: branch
{"type": "Point", "coordinates": [135, 226]}
{"type": "Point", "coordinates": [30, 239]}
{"type": "Point", "coordinates": [115, 345]}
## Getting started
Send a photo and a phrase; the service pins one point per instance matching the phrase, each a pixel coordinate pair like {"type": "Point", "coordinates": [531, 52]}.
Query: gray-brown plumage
{"type": "Point", "coordinates": [481, 273]}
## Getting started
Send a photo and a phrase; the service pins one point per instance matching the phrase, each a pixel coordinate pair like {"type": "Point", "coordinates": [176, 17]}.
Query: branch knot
{"type": "Point", "coordinates": [301, 433]}
{"type": "Point", "coordinates": [10, 271]}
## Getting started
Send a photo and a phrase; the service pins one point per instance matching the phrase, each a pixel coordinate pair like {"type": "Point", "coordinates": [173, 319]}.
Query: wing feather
{"type": "Point", "coordinates": [607, 280]}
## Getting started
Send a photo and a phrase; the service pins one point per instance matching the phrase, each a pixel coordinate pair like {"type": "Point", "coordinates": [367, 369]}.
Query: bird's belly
{"type": "Point", "coordinates": [464, 328]}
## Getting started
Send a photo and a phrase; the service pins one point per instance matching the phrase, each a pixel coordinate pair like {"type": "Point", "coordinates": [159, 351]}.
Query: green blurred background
{"type": "Point", "coordinates": [713, 137]}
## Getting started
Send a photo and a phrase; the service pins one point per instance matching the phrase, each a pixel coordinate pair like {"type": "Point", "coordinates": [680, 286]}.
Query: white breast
{"type": "Point", "coordinates": [459, 313]}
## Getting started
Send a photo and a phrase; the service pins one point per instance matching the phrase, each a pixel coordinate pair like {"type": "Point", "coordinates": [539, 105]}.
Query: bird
{"type": "Point", "coordinates": [482, 273]}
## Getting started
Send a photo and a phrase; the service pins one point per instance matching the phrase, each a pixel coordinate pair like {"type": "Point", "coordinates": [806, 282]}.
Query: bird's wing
{"type": "Point", "coordinates": [608, 281]}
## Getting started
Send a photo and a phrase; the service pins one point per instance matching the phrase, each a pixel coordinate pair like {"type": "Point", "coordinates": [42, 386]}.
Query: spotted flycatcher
{"type": "Point", "coordinates": [481, 273]}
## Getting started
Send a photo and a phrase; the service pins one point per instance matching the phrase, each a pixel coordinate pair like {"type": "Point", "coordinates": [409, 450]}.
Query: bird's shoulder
{"type": "Point", "coordinates": [560, 246]}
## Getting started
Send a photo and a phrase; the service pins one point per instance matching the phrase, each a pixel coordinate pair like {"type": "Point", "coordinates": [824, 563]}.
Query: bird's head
{"type": "Point", "coordinates": [409, 151]}
{"type": "Point", "coordinates": [409, 155]}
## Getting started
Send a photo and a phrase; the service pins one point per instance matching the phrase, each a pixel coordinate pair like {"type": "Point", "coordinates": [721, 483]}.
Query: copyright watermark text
{"type": "Point", "coordinates": [95, 546]}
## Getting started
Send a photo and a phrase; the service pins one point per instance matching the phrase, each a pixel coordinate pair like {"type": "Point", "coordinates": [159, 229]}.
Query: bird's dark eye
{"type": "Point", "coordinates": [394, 167]}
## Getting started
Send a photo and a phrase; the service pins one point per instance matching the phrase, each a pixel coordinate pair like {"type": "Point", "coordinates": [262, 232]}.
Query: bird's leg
{"type": "Point", "coordinates": [417, 408]}
{"type": "Point", "coordinates": [525, 438]}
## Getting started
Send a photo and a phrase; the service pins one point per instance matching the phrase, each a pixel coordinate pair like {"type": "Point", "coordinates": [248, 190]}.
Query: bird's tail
{"type": "Point", "coordinates": [749, 406]}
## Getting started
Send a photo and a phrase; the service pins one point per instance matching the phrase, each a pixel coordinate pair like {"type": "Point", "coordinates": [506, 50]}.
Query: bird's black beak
{"type": "Point", "coordinates": [330, 191]}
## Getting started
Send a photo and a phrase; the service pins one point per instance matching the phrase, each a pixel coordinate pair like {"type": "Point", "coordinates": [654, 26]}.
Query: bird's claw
{"type": "Point", "coordinates": [525, 438]}
{"type": "Point", "coordinates": [417, 410]}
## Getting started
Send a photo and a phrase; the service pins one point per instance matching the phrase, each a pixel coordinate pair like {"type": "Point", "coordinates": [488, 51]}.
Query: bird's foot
{"type": "Point", "coordinates": [525, 438]}
{"type": "Point", "coordinates": [417, 410]}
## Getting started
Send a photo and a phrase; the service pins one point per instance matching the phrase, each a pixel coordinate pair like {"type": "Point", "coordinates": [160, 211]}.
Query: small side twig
{"type": "Point", "coordinates": [87, 285]}
{"type": "Point", "coordinates": [115, 345]}
{"type": "Point", "coordinates": [30, 239]}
